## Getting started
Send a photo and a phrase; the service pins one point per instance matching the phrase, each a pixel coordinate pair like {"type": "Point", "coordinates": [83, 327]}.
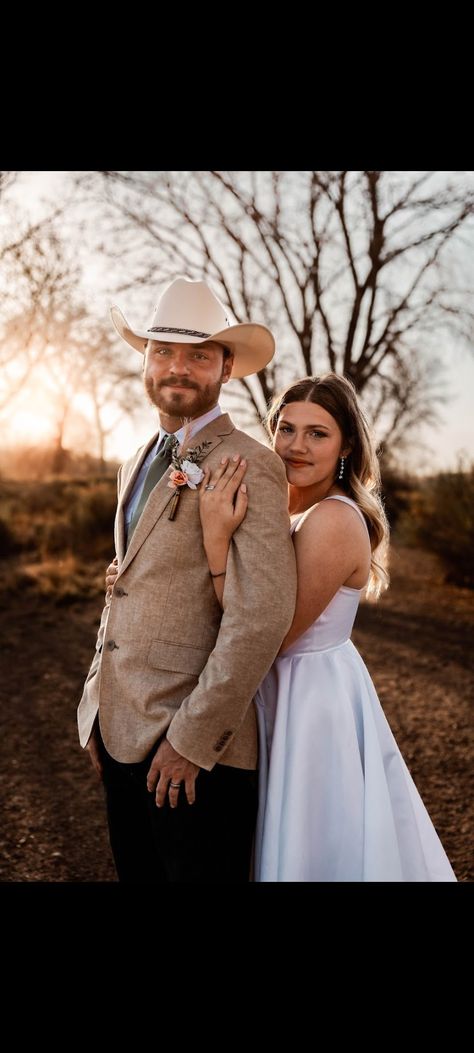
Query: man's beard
{"type": "Point", "coordinates": [179, 403]}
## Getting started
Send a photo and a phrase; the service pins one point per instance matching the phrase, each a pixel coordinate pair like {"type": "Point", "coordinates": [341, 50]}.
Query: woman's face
{"type": "Point", "coordinates": [310, 442]}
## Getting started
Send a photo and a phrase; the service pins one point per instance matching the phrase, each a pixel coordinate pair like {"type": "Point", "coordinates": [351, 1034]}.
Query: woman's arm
{"type": "Point", "coordinates": [222, 510]}
{"type": "Point", "coordinates": [331, 545]}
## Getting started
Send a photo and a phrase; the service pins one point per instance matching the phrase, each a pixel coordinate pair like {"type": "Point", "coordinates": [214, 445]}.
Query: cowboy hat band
{"type": "Point", "coordinates": [181, 332]}
{"type": "Point", "coordinates": [190, 310]}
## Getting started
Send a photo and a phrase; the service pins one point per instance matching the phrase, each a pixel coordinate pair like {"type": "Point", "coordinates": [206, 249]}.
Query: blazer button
{"type": "Point", "coordinates": [111, 645]}
{"type": "Point", "coordinates": [120, 592]}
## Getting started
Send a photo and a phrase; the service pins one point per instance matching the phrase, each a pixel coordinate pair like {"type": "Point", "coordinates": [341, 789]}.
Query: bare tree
{"type": "Point", "coordinates": [54, 354]}
{"type": "Point", "coordinates": [82, 374]}
{"type": "Point", "coordinates": [38, 283]}
{"type": "Point", "coordinates": [363, 273]}
{"type": "Point", "coordinates": [114, 391]}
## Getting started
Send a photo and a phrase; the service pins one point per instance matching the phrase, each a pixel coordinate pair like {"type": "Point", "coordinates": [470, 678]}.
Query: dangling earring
{"type": "Point", "coordinates": [341, 470]}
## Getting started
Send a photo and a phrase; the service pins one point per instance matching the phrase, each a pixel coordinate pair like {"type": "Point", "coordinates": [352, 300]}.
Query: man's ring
{"type": "Point", "coordinates": [210, 486]}
{"type": "Point", "coordinates": [175, 785]}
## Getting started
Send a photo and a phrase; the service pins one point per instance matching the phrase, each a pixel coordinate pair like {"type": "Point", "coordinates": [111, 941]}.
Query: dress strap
{"type": "Point", "coordinates": [347, 501]}
{"type": "Point", "coordinates": [295, 522]}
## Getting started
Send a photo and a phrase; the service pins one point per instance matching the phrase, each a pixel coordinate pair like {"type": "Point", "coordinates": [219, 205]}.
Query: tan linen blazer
{"type": "Point", "coordinates": [167, 657]}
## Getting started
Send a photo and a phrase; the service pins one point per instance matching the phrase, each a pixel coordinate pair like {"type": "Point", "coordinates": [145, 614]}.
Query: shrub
{"type": "Point", "coordinates": [397, 489]}
{"type": "Point", "coordinates": [91, 520]}
{"type": "Point", "coordinates": [443, 520]}
{"type": "Point", "coordinates": [8, 542]}
{"type": "Point", "coordinates": [55, 537]}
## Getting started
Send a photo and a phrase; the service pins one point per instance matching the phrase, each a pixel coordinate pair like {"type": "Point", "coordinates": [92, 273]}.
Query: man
{"type": "Point", "coordinates": [166, 713]}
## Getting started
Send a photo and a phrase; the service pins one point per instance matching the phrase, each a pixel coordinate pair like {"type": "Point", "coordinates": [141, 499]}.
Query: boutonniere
{"type": "Point", "coordinates": [185, 469]}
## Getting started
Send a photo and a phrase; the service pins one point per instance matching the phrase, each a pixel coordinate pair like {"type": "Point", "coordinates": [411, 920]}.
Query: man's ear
{"type": "Point", "coordinates": [227, 368]}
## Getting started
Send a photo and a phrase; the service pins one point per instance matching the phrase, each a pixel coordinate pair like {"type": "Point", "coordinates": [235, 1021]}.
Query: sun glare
{"type": "Point", "coordinates": [28, 428]}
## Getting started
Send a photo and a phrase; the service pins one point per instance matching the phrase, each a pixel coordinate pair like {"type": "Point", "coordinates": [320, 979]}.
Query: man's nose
{"type": "Point", "coordinates": [179, 364]}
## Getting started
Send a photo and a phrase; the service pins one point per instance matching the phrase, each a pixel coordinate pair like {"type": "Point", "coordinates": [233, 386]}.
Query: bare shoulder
{"type": "Point", "coordinates": [332, 540]}
{"type": "Point", "coordinates": [335, 521]}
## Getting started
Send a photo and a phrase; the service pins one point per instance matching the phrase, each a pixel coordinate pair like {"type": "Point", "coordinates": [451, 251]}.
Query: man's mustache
{"type": "Point", "coordinates": [177, 383]}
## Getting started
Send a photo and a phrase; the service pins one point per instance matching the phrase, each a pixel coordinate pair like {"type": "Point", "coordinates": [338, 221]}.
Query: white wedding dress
{"type": "Point", "coordinates": [336, 800]}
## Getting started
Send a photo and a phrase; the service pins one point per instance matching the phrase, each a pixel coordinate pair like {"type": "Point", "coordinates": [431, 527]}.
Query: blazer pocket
{"type": "Point", "coordinates": [177, 657]}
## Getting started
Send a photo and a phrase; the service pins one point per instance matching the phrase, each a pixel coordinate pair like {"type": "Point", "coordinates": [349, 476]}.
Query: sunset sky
{"type": "Point", "coordinates": [432, 448]}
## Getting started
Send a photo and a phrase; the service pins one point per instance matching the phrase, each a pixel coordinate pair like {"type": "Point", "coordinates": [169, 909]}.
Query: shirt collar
{"type": "Point", "coordinates": [197, 424]}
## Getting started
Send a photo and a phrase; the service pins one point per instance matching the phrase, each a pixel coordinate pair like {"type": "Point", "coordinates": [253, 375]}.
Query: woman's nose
{"type": "Point", "coordinates": [298, 444]}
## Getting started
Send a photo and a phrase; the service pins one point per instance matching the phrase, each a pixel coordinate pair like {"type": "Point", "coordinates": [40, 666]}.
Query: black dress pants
{"type": "Point", "coordinates": [208, 841]}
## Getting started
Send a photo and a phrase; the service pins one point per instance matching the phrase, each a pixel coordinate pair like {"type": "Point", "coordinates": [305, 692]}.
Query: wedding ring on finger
{"type": "Point", "coordinates": [175, 785]}
{"type": "Point", "coordinates": [210, 486]}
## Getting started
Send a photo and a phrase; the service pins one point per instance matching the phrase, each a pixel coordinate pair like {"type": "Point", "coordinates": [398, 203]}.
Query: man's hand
{"type": "Point", "coordinates": [110, 576]}
{"type": "Point", "coordinates": [94, 751]}
{"type": "Point", "coordinates": [168, 768]}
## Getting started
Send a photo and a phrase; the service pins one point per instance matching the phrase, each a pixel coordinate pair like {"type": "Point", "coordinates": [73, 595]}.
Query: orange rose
{"type": "Point", "coordinates": [177, 479]}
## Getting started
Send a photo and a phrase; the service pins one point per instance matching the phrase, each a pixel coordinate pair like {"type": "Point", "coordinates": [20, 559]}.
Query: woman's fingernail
{"type": "Point", "coordinates": [224, 460]}
{"type": "Point", "coordinates": [244, 488]}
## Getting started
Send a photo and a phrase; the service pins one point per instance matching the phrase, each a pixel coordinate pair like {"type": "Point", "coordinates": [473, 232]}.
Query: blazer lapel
{"type": "Point", "coordinates": [125, 494]}
{"type": "Point", "coordinates": [160, 497]}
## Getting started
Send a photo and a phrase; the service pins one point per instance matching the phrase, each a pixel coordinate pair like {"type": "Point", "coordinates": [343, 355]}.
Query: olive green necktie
{"type": "Point", "coordinates": [157, 468]}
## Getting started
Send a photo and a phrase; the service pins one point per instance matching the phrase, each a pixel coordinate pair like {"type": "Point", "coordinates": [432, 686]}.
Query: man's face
{"type": "Point", "coordinates": [184, 380]}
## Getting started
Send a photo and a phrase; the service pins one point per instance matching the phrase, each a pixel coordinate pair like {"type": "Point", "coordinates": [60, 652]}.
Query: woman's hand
{"type": "Point", "coordinates": [223, 508]}
{"type": "Point", "coordinates": [110, 577]}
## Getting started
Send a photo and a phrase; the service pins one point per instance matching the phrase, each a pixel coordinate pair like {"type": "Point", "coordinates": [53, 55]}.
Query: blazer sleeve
{"type": "Point", "coordinates": [103, 620]}
{"type": "Point", "coordinates": [259, 602]}
{"type": "Point", "coordinates": [98, 645]}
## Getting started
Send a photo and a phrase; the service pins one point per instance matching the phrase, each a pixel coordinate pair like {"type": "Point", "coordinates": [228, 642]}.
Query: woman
{"type": "Point", "coordinates": [336, 800]}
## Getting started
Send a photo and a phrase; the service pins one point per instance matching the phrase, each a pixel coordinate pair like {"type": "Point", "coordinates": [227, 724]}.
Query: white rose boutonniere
{"type": "Point", "coordinates": [185, 469]}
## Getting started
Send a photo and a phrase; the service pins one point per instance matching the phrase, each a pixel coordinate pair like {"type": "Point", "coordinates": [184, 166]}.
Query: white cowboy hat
{"type": "Point", "coordinates": [188, 312]}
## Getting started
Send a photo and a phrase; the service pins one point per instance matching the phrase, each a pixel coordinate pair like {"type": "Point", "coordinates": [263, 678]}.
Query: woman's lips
{"type": "Point", "coordinates": [298, 464]}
